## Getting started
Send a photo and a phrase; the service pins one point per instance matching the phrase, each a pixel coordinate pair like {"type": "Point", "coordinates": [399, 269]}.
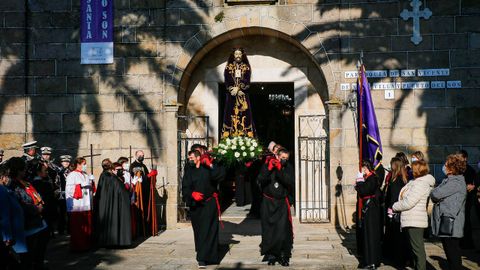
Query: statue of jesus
{"type": "Point", "coordinates": [237, 117]}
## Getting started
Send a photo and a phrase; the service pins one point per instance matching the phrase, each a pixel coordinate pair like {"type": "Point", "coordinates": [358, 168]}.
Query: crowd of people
{"type": "Point", "coordinates": [41, 199]}
{"type": "Point", "coordinates": [275, 181]}
{"type": "Point", "coordinates": [393, 210]}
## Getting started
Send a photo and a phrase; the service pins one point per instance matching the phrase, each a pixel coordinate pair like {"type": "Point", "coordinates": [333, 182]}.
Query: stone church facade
{"type": "Point", "coordinates": [168, 63]}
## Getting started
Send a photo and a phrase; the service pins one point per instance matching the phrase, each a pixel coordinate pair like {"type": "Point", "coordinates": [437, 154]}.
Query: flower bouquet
{"type": "Point", "coordinates": [237, 150]}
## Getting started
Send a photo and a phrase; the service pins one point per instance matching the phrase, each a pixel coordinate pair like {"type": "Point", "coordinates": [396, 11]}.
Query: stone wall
{"type": "Point", "coordinates": [48, 96]}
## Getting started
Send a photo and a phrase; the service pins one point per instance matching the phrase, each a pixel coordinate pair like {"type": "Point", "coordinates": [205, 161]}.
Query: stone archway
{"type": "Point", "coordinates": [188, 62]}
{"type": "Point", "coordinates": [287, 60]}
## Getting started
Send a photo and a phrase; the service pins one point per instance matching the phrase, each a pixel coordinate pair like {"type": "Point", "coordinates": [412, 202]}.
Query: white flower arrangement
{"type": "Point", "coordinates": [237, 150]}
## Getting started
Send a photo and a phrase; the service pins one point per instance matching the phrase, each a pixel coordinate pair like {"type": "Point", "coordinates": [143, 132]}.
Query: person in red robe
{"type": "Point", "coordinates": [79, 198]}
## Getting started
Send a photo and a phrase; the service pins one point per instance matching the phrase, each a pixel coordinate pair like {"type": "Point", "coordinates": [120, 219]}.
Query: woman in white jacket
{"type": "Point", "coordinates": [412, 203]}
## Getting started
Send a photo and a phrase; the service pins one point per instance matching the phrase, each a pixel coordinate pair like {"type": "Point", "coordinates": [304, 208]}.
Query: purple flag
{"type": "Point", "coordinates": [369, 135]}
{"type": "Point", "coordinates": [96, 31]}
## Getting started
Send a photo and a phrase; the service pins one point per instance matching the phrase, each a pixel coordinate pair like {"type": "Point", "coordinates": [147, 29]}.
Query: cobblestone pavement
{"type": "Point", "coordinates": [316, 246]}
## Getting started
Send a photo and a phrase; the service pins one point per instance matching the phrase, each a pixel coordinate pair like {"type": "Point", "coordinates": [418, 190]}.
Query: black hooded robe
{"type": "Point", "coordinates": [370, 226]}
{"type": "Point", "coordinates": [204, 214]}
{"type": "Point", "coordinates": [112, 212]}
{"type": "Point", "coordinates": [277, 230]}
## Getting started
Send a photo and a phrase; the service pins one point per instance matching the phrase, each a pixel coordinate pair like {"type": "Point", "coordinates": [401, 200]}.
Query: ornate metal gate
{"type": "Point", "coordinates": [191, 130]}
{"type": "Point", "coordinates": [314, 186]}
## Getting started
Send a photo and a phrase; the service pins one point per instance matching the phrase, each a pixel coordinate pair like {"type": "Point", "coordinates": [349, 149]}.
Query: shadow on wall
{"type": "Point", "coordinates": [341, 219]}
{"type": "Point", "coordinates": [437, 122]}
{"type": "Point", "coordinates": [339, 211]}
{"type": "Point", "coordinates": [161, 198]}
{"type": "Point", "coordinates": [63, 96]}
{"type": "Point", "coordinates": [430, 120]}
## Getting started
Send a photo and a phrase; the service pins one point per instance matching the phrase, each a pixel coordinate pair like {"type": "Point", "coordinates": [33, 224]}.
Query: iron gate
{"type": "Point", "coordinates": [314, 186]}
{"type": "Point", "coordinates": [191, 130]}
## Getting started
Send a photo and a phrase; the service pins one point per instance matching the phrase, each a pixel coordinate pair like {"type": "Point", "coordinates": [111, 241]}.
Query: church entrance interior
{"type": "Point", "coordinates": [273, 113]}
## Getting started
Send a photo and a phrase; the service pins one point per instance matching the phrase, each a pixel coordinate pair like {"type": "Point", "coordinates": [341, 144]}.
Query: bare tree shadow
{"type": "Point", "coordinates": [137, 32]}
{"type": "Point", "coordinates": [442, 262]}
{"type": "Point", "coordinates": [237, 266]}
{"type": "Point", "coordinates": [161, 199]}
{"type": "Point", "coordinates": [345, 233]}
{"type": "Point", "coordinates": [247, 227]}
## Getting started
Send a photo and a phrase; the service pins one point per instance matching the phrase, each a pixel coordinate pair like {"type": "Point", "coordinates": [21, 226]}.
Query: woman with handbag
{"type": "Point", "coordinates": [448, 217]}
{"type": "Point", "coordinates": [412, 203]}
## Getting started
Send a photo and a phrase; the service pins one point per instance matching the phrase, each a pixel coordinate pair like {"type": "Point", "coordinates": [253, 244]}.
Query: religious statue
{"type": "Point", "coordinates": [237, 117]}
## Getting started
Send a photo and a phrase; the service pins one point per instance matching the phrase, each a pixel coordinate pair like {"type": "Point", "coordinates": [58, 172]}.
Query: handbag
{"type": "Point", "coordinates": [396, 217]}
{"type": "Point", "coordinates": [446, 224]}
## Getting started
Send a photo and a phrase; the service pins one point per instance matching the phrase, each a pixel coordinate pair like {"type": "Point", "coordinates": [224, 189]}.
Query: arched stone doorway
{"type": "Point", "coordinates": [275, 57]}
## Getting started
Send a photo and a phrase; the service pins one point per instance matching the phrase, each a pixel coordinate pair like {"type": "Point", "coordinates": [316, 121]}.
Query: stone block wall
{"type": "Point", "coordinates": [48, 96]}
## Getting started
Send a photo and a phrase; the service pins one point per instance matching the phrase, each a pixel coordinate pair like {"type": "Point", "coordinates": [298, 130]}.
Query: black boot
{"type": "Point", "coordinates": [271, 260]}
{"type": "Point", "coordinates": [202, 265]}
{"type": "Point", "coordinates": [285, 261]}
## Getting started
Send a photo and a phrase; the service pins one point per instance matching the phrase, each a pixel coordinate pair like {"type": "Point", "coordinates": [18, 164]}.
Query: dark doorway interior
{"type": "Point", "coordinates": [273, 112]}
{"type": "Point", "coordinates": [273, 115]}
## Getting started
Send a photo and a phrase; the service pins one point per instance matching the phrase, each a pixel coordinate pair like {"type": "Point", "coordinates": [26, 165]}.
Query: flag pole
{"type": "Point", "coordinates": [360, 130]}
{"type": "Point", "coordinates": [360, 113]}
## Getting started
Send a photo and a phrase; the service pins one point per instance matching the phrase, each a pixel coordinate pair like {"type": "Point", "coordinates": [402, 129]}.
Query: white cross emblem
{"type": "Point", "coordinates": [416, 14]}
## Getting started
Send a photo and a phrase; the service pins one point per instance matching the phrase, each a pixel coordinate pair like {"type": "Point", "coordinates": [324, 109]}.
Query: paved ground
{"type": "Point", "coordinates": [316, 247]}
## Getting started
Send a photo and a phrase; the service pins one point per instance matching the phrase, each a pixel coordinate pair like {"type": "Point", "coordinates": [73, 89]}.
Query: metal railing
{"type": "Point", "coordinates": [314, 186]}
{"type": "Point", "coordinates": [191, 130]}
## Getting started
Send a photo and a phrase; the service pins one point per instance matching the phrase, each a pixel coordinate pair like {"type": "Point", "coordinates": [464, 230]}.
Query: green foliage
{"type": "Point", "coordinates": [220, 16]}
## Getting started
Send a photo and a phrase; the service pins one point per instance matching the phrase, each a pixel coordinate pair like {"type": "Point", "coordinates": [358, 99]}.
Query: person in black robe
{"type": "Point", "coordinates": [276, 180]}
{"type": "Point", "coordinates": [467, 241]}
{"type": "Point", "coordinates": [139, 166]}
{"type": "Point", "coordinates": [380, 172]}
{"type": "Point", "coordinates": [42, 183]}
{"type": "Point", "coordinates": [62, 223]}
{"type": "Point", "coordinates": [112, 209]}
{"type": "Point", "coordinates": [396, 245]}
{"type": "Point", "coordinates": [252, 173]}
{"type": "Point", "coordinates": [199, 191]}
{"type": "Point", "coordinates": [369, 223]}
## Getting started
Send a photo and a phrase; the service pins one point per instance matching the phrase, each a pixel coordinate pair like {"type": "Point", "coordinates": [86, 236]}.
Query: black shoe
{"type": "Point", "coordinates": [202, 265]}
{"type": "Point", "coordinates": [271, 259]}
{"type": "Point", "coordinates": [285, 262]}
{"type": "Point", "coordinates": [367, 267]}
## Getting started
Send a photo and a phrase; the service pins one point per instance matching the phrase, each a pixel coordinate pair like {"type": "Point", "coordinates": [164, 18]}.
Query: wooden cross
{"type": "Point", "coordinates": [130, 156]}
{"type": "Point", "coordinates": [416, 14]}
{"type": "Point", "coordinates": [91, 157]}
